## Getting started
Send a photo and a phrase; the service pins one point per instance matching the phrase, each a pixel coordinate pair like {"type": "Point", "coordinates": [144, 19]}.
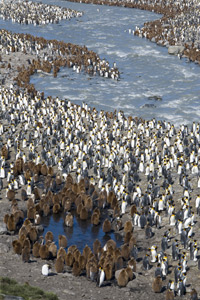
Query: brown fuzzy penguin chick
{"type": "Point", "coordinates": [157, 284]}
{"type": "Point", "coordinates": [49, 236]}
{"type": "Point", "coordinates": [17, 247]}
{"type": "Point", "coordinates": [122, 279]}
{"type": "Point", "coordinates": [106, 226]}
{"type": "Point", "coordinates": [62, 241]}
{"type": "Point", "coordinates": [26, 254]}
{"type": "Point", "coordinates": [59, 265]}
{"type": "Point", "coordinates": [76, 270]}
{"type": "Point", "coordinates": [44, 252]}
{"type": "Point", "coordinates": [36, 249]}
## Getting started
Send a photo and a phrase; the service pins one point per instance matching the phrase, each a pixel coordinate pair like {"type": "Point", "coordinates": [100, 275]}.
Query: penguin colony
{"type": "Point", "coordinates": [180, 24]}
{"type": "Point", "coordinates": [35, 13]}
{"type": "Point", "coordinates": [56, 156]}
{"type": "Point", "coordinates": [47, 55]}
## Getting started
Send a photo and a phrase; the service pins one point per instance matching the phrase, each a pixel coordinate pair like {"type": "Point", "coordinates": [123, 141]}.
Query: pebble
{"type": "Point", "coordinates": [68, 292]}
{"type": "Point", "coordinates": [3, 228]}
{"type": "Point", "coordinates": [3, 248]}
{"type": "Point", "coordinates": [192, 264]}
{"type": "Point", "coordinates": [175, 50]}
{"type": "Point", "coordinates": [68, 275]}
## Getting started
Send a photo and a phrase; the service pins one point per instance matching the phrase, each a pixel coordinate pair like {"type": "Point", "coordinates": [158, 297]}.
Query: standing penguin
{"type": "Point", "coordinates": [101, 277]}
{"type": "Point", "coordinates": [184, 238]}
{"type": "Point", "coordinates": [194, 253]}
{"type": "Point", "coordinates": [177, 273]}
{"type": "Point", "coordinates": [142, 221]}
{"type": "Point", "coordinates": [153, 253]}
{"type": "Point", "coordinates": [148, 231]}
{"type": "Point", "coordinates": [171, 286]}
{"type": "Point", "coordinates": [164, 267]}
{"type": "Point", "coordinates": [164, 243]}
{"type": "Point", "coordinates": [123, 207]}
{"type": "Point", "coordinates": [180, 288]}
{"type": "Point", "coordinates": [158, 271]}
{"type": "Point", "coordinates": [145, 262]}
{"type": "Point", "coordinates": [175, 250]}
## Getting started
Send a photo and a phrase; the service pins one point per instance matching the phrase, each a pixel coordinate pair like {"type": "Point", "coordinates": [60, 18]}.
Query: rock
{"type": "Point", "coordinates": [188, 289]}
{"type": "Point", "coordinates": [157, 98]}
{"type": "Point", "coordinates": [133, 284]}
{"type": "Point", "coordinates": [138, 282]}
{"type": "Point", "coordinates": [166, 44]}
{"type": "Point", "coordinates": [68, 275]}
{"type": "Point", "coordinates": [68, 292]}
{"type": "Point", "coordinates": [3, 228]}
{"type": "Point", "coordinates": [191, 263]}
{"type": "Point", "coordinates": [160, 43]}
{"type": "Point", "coordinates": [148, 106]}
{"type": "Point", "coordinates": [175, 50]}
{"type": "Point", "coordinates": [168, 252]}
{"type": "Point", "coordinates": [3, 248]}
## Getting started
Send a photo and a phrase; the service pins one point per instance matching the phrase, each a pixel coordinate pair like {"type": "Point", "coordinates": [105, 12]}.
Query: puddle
{"type": "Point", "coordinates": [82, 232]}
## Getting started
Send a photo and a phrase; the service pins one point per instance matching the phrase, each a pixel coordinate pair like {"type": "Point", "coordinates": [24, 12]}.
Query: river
{"type": "Point", "coordinates": [147, 71]}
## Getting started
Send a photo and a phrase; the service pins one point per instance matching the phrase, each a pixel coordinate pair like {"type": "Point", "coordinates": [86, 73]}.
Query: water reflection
{"type": "Point", "coordinates": [82, 232]}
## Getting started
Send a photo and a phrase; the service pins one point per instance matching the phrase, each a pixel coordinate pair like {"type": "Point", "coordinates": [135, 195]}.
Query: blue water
{"type": "Point", "coordinates": [146, 69]}
{"type": "Point", "coordinates": [82, 233]}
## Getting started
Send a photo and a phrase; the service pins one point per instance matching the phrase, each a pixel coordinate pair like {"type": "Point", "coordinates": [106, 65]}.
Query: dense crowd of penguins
{"type": "Point", "coordinates": [57, 156]}
{"type": "Point", "coordinates": [50, 55]}
{"type": "Point", "coordinates": [91, 161]}
{"type": "Point", "coordinates": [180, 24]}
{"type": "Point", "coordinates": [35, 13]}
